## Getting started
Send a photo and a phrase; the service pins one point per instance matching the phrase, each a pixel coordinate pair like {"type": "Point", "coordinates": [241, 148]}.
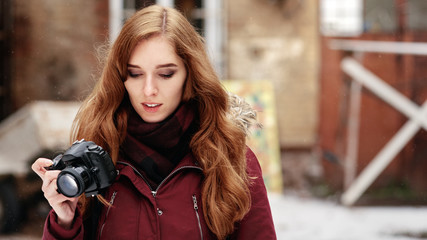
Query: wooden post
{"type": "Point", "coordinates": [350, 165]}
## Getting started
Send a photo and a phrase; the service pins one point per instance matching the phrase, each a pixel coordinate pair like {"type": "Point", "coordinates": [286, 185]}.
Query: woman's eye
{"type": "Point", "coordinates": [133, 74]}
{"type": "Point", "coordinates": [167, 75]}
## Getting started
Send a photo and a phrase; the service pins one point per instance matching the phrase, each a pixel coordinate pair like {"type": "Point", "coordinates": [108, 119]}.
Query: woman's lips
{"type": "Point", "coordinates": [151, 107]}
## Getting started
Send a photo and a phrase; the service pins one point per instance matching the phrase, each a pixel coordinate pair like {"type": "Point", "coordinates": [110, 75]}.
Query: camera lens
{"type": "Point", "coordinates": [72, 181]}
{"type": "Point", "coordinates": [68, 185]}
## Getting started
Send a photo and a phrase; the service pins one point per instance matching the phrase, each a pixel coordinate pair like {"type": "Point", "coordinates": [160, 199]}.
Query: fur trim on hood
{"type": "Point", "coordinates": [242, 113]}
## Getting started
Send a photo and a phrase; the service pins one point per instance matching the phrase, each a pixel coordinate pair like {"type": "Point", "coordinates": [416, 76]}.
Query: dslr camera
{"type": "Point", "coordinates": [85, 167]}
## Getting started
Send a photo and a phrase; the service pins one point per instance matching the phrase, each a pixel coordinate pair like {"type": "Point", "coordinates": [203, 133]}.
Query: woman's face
{"type": "Point", "coordinates": [156, 77]}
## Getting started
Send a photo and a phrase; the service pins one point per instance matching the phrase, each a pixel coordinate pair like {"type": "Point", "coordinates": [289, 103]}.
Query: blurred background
{"type": "Point", "coordinates": [339, 85]}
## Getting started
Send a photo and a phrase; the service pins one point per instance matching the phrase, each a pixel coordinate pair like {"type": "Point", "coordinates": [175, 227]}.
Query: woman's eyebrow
{"type": "Point", "coordinates": [158, 66]}
{"type": "Point", "coordinates": [166, 65]}
{"type": "Point", "coordinates": [133, 66]}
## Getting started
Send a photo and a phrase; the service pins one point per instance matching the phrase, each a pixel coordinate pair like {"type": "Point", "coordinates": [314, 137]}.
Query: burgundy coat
{"type": "Point", "coordinates": [173, 211]}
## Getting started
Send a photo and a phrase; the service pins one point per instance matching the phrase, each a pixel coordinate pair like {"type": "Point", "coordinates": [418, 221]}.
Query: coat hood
{"type": "Point", "coordinates": [242, 113]}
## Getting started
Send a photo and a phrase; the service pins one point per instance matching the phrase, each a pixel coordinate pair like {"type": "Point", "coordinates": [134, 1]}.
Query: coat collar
{"type": "Point", "coordinates": [128, 170]}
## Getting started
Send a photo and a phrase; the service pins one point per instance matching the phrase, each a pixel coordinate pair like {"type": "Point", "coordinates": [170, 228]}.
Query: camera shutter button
{"type": "Point", "coordinates": [93, 147]}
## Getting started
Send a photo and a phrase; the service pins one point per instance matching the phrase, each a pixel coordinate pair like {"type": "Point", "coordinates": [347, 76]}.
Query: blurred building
{"type": "Point", "coordinates": [50, 52]}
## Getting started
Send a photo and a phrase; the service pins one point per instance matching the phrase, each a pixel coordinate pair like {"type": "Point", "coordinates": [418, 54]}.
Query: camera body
{"type": "Point", "coordinates": [85, 167]}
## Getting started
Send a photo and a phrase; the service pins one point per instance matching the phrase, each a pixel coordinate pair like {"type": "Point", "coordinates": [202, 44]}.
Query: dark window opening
{"type": "Point", "coordinates": [5, 57]}
{"type": "Point", "coordinates": [380, 16]}
{"type": "Point", "coordinates": [193, 10]}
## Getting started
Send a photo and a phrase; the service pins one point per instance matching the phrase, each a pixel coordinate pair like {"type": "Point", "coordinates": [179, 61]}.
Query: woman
{"type": "Point", "coordinates": [162, 114]}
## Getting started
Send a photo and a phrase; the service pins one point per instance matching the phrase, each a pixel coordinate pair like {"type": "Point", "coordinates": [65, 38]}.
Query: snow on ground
{"type": "Point", "coordinates": [306, 218]}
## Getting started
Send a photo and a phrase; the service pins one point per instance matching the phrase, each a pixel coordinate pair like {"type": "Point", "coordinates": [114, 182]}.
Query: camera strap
{"type": "Point", "coordinates": [91, 224]}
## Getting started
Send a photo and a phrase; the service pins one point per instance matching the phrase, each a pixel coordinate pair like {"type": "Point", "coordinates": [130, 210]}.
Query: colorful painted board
{"type": "Point", "coordinates": [264, 141]}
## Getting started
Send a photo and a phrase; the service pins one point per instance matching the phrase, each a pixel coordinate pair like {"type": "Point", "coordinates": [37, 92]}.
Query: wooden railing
{"type": "Point", "coordinates": [417, 115]}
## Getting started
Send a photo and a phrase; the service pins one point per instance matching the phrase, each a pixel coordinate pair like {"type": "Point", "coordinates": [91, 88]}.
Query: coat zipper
{"type": "Point", "coordinates": [196, 209]}
{"type": "Point", "coordinates": [137, 172]}
{"type": "Point", "coordinates": [108, 211]}
{"type": "Point", "coordinates": [170, 175]}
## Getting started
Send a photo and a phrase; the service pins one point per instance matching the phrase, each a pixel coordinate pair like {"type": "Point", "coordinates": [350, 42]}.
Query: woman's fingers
{"type": "Point", "coordinates": [50, 189]}
{"type": "Point", "coordinates": [64, 206]}
{"type": "Point", "coordinates": [49, 186]}
{"type": "Point", "coordinates": [58, 201]}
{"type": "Point", "coordinates": [39, 166]}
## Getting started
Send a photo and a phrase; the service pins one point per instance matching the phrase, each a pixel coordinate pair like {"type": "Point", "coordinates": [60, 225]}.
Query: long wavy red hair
{"type": "Point", "coordinates": [219, 145]}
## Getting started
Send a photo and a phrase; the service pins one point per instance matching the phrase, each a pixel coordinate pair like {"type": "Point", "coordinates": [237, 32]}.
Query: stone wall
{"type": "Point", "coordinates": [278, 41]}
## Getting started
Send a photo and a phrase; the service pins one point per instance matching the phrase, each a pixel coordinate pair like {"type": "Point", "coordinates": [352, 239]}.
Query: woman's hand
{"type": "Point", "coordinates": [64, 207]}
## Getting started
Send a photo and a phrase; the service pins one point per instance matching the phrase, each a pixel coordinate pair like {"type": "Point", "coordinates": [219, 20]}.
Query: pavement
{"type": "Point", "coordinates": [299, 218]}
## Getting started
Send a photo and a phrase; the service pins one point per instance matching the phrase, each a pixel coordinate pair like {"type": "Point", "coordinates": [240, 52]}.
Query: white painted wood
{"type": "Point", "coordinates": [382, 160]}
{"type": "Point", "coordinates": [165, 3]}
{"type": "Point", "coordinates": [350, 167]}
{"type": "Point", "coordinates": [115, 8]}
{"type": "Point", "coordinates": [382, 90]}
{"type": "Point", "coordinates": [413, 48]}
{"type": "Point", "coordinates": [214, 33]}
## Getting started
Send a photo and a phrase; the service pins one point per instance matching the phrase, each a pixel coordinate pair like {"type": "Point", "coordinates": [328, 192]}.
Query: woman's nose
{"type": "Point", "coordinates": [150, 86]}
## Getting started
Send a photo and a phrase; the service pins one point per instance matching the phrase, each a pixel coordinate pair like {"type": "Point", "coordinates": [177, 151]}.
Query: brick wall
{"type": "Point", "coordinates": [54, 48]}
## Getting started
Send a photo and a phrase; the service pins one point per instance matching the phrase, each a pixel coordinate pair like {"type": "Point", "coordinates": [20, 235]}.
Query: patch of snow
{"type": "Point", "coordinates": [307, 218]}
